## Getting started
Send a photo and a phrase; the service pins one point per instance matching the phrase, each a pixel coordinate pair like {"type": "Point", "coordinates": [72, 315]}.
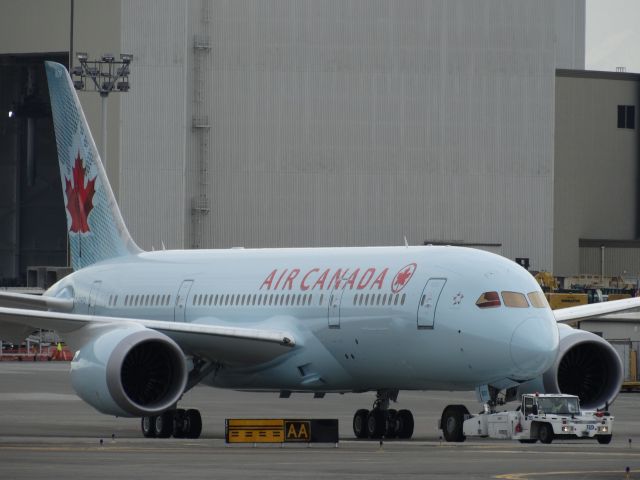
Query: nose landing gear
{"type": "Point", "coordinates": [381, 421]}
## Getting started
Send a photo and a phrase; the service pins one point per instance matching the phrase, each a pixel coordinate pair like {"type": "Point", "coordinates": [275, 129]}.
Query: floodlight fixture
{"type": "Point", "coordinates": [103, 75]}
{"type": "Point", "coordinates": [10, 113]}
{"type": "Point", "coordinates": [123, 71]}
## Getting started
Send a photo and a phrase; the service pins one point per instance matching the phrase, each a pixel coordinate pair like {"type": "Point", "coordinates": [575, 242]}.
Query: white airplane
{"type": "Point", "coordinates": [148, 326]}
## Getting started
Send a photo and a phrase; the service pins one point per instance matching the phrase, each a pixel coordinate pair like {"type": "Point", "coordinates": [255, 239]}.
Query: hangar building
{"type": "Point", "coordinates": [306, 123]}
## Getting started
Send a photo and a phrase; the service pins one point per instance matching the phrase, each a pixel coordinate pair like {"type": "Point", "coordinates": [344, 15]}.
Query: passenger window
{"type": "Point", "coordinates": [538, 300]}
{"type": "Point", "coordinates": [487, 299]}
{"type": "Point", "coordinates": [321, 299]}
{"type": "Point", "coordinates": [404, 295]}
{"type": "Point", "coordinates": [395, 301]}
{"type": "Point", "coordinates": [515, 300]}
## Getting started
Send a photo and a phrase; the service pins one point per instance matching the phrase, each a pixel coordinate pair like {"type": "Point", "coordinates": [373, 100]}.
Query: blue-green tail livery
{"type": "Point", "coordinates": [96, 229]}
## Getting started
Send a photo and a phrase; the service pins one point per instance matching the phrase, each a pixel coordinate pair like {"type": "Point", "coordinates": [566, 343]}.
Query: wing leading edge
{"type": "Point", "coordinates": [583, 312]}
{"type": "Point", "coordinates": [233, 345]}
{"type": "Point", "coordinates": [35, 302]}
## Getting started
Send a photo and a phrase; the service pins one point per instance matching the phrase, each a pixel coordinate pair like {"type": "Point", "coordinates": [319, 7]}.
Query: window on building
{"type": "Point", "coordinates": [627, 116]}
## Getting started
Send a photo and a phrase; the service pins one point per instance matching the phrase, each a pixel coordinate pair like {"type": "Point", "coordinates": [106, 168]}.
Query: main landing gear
{"type": "Point", "coordinates": [179, 422]}
{"type": "Point", "coordinates": [382, 421]}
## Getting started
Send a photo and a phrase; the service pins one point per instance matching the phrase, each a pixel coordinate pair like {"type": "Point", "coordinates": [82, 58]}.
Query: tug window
{"type": "Point", "coordinates": [538, 300]}
{"type": "Point", "coordinates": [515, 300]}
{"type": "Point", "coordinates": [488, 299]}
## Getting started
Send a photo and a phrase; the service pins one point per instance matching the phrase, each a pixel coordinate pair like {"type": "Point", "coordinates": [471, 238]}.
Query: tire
{"type": "Point", "coordinates": [179, 423]}
{"type": "Point", "coordinates": [163, 425]}
{"type": "Point", "coordinates": [376, 423]}
{"type": "Point", "coordinates": [604, 439]}
{"type": "Point", "coordinates": [545, 433]}
{"type": "Point", "coordinates": [404, 423]}
{"type": "Point", "coordinates": [147, 425]}
{"type": "Point", "coordinates": [194, 423]}
{"type": "Point", "coordinates": [360, 423]}
{"type": "Point", "coordinates": [392, 426]}
{"type": "Point", "coordinates": [451, 423]}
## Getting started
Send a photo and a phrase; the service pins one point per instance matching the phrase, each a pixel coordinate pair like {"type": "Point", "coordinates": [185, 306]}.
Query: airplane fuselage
{"type": "Point", "coordinates": [364, 318]}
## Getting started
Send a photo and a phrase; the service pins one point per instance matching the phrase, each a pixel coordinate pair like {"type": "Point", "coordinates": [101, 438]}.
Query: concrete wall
{"type": "Point", "coordinates": [596, 166]}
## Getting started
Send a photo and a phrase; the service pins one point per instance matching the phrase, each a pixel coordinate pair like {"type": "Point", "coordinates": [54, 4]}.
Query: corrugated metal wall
{"type": "Point", "coordinates": [154, 122]}
{"type": "Point", "coordinates": [617, 261]}
{"type": "Point", "coordinates": [342, 122]}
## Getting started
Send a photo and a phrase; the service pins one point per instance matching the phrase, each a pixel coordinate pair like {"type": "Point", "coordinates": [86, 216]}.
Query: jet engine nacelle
{"type": "Point", "coordinates": [130, 371]}
{"type": "Point", "coordinates": [586, 366]}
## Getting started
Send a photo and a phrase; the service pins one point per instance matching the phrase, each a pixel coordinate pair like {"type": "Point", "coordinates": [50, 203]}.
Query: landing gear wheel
{"type": "Point", "coordinates": [376, 423]}
{"type": "Point", "coordinates": [545, 433]}
{"type": "Point", "coordinates": [604, 439]}
{"type": "Point", "coordinates": [392, 425]}
{"type": "Point", "coordinates": [163, 425]}
{"type": "Point", "coordinates": [360, 423]}
{"type": "Point", "coordinates": [147, 424]}
{"type": "Point", "coordinates": [404, 424]}
{"type": "Point", "coordinates": [179, 423]}
{"type": "Point", "coordinates": [194, 423]}
{"type": "Point", "coordinates": [451, 423]}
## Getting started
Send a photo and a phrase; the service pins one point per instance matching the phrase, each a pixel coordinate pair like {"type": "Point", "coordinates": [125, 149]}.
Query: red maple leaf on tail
{"type": "Point", "coordinates": [79, 197]}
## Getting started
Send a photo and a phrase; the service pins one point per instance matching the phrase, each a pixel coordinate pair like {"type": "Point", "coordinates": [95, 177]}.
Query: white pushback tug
{"type": "Point", "coordinates": [540, 417]}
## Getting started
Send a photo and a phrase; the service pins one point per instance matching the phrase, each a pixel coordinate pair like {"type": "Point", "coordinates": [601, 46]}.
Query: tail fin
{"type": "Point", "coordinates": [96, 229]}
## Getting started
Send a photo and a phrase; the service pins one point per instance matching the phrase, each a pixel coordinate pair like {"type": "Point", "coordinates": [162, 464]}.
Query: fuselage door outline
{"type": "Point", "coordinates": [180, 309]}
{"type": "Point", "coordinates": [93, 297]}
{"type": "Point", "coordinates": [428, 302]}
{"type": "Point", "coordinates": [335, 300]}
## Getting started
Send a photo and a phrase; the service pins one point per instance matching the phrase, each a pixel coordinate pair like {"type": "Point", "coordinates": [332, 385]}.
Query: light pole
{"type": "Point", "coordinates": [107, 75]}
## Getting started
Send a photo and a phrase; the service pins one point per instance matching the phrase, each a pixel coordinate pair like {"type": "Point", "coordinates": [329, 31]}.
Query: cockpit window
{"type": "Point", "coordinates": [488, 299]}
{"type": "Point", "coordinates": [515, 300]}
{"type": "Point", "coordinates": [538, 300]}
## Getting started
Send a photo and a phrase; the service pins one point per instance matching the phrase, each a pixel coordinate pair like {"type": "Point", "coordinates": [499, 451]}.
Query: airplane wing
{"type": "Point", "coordinates": [35, 302]}
{"type": "Point", "coordinates": [583, 312]}
{"type": "Point", "coordinates": [231, 345]}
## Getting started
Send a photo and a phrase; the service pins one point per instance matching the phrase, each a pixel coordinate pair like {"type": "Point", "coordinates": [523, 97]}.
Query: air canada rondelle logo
{"type": "Point", "coordinates": [402, 277]}
{"type": "Point", "coordinates": [79, 196]}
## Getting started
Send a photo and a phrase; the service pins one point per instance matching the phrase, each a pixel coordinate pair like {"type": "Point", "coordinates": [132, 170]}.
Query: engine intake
{"type": "Point", "coordinates": [586, 366]}
{"type": "Point", "coordinates": [131, 371]}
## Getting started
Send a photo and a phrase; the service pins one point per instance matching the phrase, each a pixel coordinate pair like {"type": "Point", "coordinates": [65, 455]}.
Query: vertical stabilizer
{"type": "Point", "coordinates": [96, 229]}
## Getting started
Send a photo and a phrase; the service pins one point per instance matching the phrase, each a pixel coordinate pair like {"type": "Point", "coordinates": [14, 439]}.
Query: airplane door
{"type": "Point", "coordinates": [335, 299]}
{"type": "Point", "coordinates": [93, 296]}
{"type": "Point", "coordinates": [180, 310]}
{"type": "Point", "coordinates": [429, 302]}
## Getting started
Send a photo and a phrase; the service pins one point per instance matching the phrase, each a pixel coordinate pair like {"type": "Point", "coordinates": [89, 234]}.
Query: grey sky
{"type": "Point", "coordinates": [613, 35]}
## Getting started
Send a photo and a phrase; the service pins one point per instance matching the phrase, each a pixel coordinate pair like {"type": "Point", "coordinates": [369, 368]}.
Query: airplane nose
{"type": "Point", "coordinates": [534, 346]}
